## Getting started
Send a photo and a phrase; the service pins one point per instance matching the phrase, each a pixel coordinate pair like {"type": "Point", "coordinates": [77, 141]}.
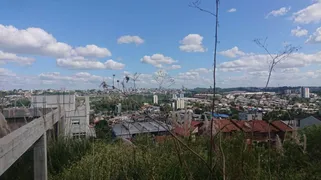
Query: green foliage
{"type": "Point", "coordinates": [198, 111]}
{"type": "Point", "coordinates": [63, 152]}
{"type": "Point", "coordinates": [103, 131]}
{"type": "Point", "coordinates": [170, 160]}
{"type": "Point", "coordinates": [166, 108]}
{"type": "Point", "coordinates": [80, 159]}
{"type": "Point", "coordinates": [313, 134]}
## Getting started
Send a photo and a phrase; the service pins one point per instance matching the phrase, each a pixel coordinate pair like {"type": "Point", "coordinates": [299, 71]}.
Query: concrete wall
{"type": "Point", "coordinates": [15, 144]}
{"type": "Point", "coordinates": [78, 120]}
{"type": "Point", "coordinates": [67, 101]}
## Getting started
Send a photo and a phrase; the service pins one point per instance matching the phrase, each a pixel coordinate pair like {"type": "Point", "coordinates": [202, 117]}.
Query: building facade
{"type": "Point", "coordinates": [305, 92]}
{"type": "Point", "coordinates": [250, 116]}
{"type": "Point", "coordinates": [180, 103]}
{"type": "Point", "coordinates": [155, 99]}
{"type": "Point", "coordinates": [76, 112]}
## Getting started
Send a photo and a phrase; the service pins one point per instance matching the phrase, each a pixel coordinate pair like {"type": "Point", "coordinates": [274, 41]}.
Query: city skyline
{"type": "Point", "coordinates": [56, 44]}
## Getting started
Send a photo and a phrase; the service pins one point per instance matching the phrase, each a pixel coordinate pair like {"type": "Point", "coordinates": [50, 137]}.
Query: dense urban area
{"type": "Point", "coordinates": [108, 125]}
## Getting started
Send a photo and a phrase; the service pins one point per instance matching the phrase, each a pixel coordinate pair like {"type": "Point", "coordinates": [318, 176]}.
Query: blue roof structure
{"type": "Point", "coordinates": [216, 115]}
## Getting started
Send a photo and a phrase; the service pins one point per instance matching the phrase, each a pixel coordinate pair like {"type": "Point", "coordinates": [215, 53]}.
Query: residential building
{"type": "Point", "coordinates": [287, 91]}
{"type": "Point", "coordinates": [155, 99]}
{"type": "Point", "coordinates": [118, 109]}
{"type": "Point", "coordinates": [180, 103]}
{"type": "Point", "coordinates": [250, 116]}
{"type": "Point", "coordinates": [192, 129]}
{"type": "Point", "coordinates": [305, 92]}
{"type": "Point", "coordinates": [302, 123]}
{"type": "Point", "coordinates": [181, 95]}
{"type": "Point", "coordinates": [174, 96]}
{"type": "Point", "coordinates": [258, 130]}
{"type": "Point", "coordinates": [173, 106]}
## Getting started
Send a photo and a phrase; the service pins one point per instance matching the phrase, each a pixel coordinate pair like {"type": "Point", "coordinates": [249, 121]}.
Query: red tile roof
{"type": "Point", "coordinates": [255, 126]}
{"type": "Point", "coordinates": [281, 125]}
{"type": "Point", "coordinates": [225, 125]}
{"type": "Point", "coordinates": [179, 130]}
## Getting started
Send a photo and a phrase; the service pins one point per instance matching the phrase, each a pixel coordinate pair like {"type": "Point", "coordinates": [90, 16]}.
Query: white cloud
{"type": "Point", "coordinates": [82, 63]}
{"type": "Point", "coordinates": [192, 43]}
{"type": "Point", "coordinates": [56, 77]}
{"type": "Point", "coordinates": [290, 70]}
{"type": "Point", "coordinates": [130, 39]}
{"type": "Point", "coordinates": [36, 41]}
{"type": "Point", "coordinates": [174, 66]}
{"type": "Point", "coordinates": [189, 75]}
{"type": "Point", "coordinates": [6, 72]}
{"type": "Point", "coordinates": [157, 60]}
{"type": "Point", "coordinates": [315, 37]}
{"type": "Point", "coordinates": [298, 32]}
{"type": "Point", "coordinates": [309, 14]}
{"type": "Point", "coordinates": [9, 57]}
{"type": "Point", "coordinates": [232, 53]}
{"type": "Point", "coordinates": [231, 10]}
{"type": "Point", "coordinates": [280, 12]}
{"type": "Point", "coordinates": [259, 62]}
{"type": "Point", "coordinates": [92, 51]}
{"type": "Point", "coordinates": [201, 70]}
{"type": "Point", "coordinates": [113, 65]}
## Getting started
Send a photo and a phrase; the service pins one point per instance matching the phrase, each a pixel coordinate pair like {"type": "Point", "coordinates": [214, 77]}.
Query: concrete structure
{"type": "Point", "coordinates": [67, 101]}
{"type": "Point", "coordinates": [181, 95]}
{"type": "Point", "coordinates": [155, 99]}
{"type": "Point", "coordinates": [250, 116]}
{"type": "Point", "coordinates": [174, 96]}
{"type": "Point", "coordinates": [76, 109]}
{"type": "Point", "coordinates": [305, 92]}
{"type": "Point", "coordinates": [78, 120]}
{"type": "Point", "coordinates": [32, 135]}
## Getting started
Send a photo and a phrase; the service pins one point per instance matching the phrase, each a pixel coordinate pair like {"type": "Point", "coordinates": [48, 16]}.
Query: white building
{"type": "Point", "coordinates": [250, 116]}
{"type": "Point", "coordinates": [305, 92]}
{"type": "Point", "coordinates": [118, 109]}
{"type": "Point", "coordinates": [173, 106]}
{"type": "Point", "coordinates": [155, 99]}
{"type": "Point", "coordinates": [180, 103]}
{"type": "Point", "coordinates": [174, 96]}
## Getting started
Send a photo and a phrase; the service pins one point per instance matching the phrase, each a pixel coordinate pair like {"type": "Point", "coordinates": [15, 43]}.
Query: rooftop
{"type": "Point", "coordinates": [132, 128]}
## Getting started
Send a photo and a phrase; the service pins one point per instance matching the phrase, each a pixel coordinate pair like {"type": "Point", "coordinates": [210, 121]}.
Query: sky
{"type": "Point", "coordinates": [78, 44]}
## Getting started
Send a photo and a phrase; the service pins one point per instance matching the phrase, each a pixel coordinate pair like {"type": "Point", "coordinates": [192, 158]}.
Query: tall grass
{"type": "Point", "coordinates": [147, 160]}
{"type": "Point", "coordinates": [65, 151]}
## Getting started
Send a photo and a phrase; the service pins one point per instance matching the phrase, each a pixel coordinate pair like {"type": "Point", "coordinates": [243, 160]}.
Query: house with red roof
{"type": "Point", "coordinates": [188, 130]}
{"type": "Point", "coordinates": [258, 130]}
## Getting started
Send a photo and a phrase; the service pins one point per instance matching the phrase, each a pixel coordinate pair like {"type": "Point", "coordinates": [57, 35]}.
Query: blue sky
{"type": "Point", "coordinates": [77, 44]}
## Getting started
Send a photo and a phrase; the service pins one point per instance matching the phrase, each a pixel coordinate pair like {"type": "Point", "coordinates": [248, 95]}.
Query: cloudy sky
{"type": "Point", "coordinates": [77, 44]}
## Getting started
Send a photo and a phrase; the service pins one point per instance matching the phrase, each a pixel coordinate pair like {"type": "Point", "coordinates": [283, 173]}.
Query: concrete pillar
{"type": "Point", "coordinates": [40, 158]}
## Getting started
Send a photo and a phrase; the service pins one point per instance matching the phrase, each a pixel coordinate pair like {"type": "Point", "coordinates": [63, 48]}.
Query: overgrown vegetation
{"type": "Point", "coordinates": [233, 159]}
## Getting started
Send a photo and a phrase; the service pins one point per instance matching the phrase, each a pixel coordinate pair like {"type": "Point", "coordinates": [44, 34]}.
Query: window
{"type": "Point", "coordinates": [79, 135]}
{"type": "Point", "coordinates": [75, 121]}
